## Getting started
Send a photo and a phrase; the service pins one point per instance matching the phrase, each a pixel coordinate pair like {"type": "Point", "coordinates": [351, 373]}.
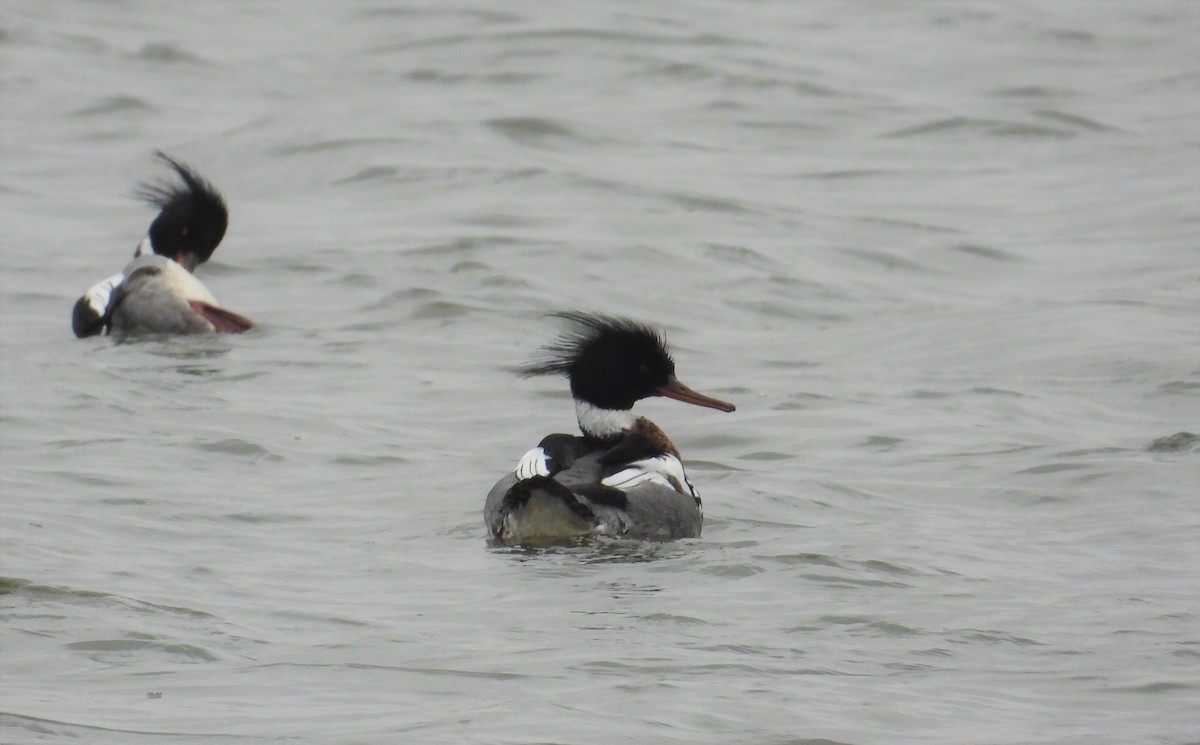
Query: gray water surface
{"type": "Point", "coordinates": [942, 255]}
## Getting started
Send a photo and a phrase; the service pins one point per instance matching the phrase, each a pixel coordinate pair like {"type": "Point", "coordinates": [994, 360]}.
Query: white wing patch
{"type": "Point", "coordinates": [532, 464]}
{"type": "Point", "coordinates": [99, 294]}
{"type": "Point", "coordinates": [664, 470]}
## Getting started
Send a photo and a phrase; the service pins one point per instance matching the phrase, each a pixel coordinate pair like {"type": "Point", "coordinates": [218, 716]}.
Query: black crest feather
{"type": "Point", "coordinates": [164, 193]}
{"type": "Point", "coordinates": [192, 216]}
{"type": "Point", "coordinates": [611, 362]}
{"type": "Point", "coordinates": [590, 329]}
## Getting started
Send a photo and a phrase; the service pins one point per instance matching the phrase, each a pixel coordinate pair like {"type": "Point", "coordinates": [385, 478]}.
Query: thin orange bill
{"type": "Point", "coordinates": [680, 392]}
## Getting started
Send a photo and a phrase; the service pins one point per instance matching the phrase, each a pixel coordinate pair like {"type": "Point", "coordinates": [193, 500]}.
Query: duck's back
{"type": "Point", "coordinates": [574, 502]}
{"type": "Point", "coordinates": [158, 296]}
{"type": "Point", "coordinates": [154, 299]}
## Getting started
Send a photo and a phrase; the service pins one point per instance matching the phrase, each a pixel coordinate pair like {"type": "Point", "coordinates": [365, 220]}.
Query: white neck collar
{"type": "Point", "coordinates": [603, 423]}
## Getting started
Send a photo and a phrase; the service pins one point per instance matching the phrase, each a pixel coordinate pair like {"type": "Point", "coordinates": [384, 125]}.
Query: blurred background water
{"type": "Point", "coordinates": [942, 255]}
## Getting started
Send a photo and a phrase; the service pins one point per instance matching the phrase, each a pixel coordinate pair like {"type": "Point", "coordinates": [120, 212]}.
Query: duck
{"type": "Point", "coordinates": [165, 298]}
{"type": "Point", "coordinates": [159, 296]}
{"type": "Point", "coordinates": [622, 476]}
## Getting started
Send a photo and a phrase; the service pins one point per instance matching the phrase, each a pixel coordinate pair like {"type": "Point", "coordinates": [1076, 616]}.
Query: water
{"type": "Point", "coordinates": [941, 256]}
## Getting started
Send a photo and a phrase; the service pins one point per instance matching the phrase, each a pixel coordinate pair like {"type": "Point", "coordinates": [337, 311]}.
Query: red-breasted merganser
{"type": "Point", "coordinates": [165, 298]}
{"type": "Point", "coordinates": [623, 477]}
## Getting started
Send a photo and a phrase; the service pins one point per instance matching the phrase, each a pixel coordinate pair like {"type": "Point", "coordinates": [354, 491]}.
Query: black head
{"type": "Point", "coordinates": [192, 216]}
{"type": "Point", "coordinates": [613, 362]}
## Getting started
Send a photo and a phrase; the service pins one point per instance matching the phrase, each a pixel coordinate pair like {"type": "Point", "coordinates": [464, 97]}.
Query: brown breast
{"type": "Point", "coordinates": [655, 435]}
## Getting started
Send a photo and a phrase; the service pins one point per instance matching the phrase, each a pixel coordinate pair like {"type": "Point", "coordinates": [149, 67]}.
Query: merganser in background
{"type": "Point", "coordinates": [166, 298]}
{"type": "Point", "coordinates": [159, 296]}
{"type": "Point", "coordinates": [623, 477]}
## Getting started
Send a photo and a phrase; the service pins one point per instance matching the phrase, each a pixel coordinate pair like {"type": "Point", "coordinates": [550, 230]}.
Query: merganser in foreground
{"type": "Point", "coordinates": [165, 298]}
{"type": "Point", "coordinates": [623, 477]}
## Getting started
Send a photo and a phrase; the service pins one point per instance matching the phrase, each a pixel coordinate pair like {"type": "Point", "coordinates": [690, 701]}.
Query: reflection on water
{"type": "Point", "coordinates": [594, 550]}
